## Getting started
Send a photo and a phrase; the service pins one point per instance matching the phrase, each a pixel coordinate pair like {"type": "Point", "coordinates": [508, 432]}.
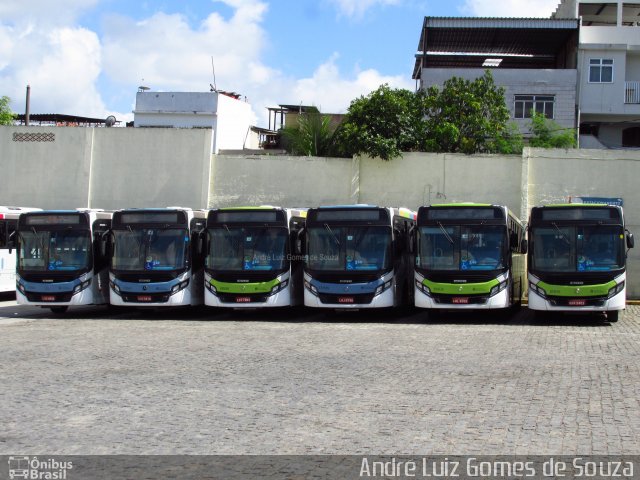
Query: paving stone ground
{"type": "Point", "coordinates": [306, 382]}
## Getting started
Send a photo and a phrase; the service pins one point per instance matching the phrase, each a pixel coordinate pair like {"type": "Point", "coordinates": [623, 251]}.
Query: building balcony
{"type": "Point", "coordinates": [632, 92]}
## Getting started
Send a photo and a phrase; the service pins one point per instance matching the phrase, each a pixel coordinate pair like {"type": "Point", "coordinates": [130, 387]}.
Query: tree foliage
{"type": "Point", "coordinates": [461, 117]}
{"type": "Point", "coordinates": [312, 136]}
{"type": "Point", "coordinates": [549, 134]}
{"type": "Point", "coordinates": [382, 124]}
{"type": "Point", "coordinates": [6, 115]}
{"type": "Point", "coordinates": [468, 117]}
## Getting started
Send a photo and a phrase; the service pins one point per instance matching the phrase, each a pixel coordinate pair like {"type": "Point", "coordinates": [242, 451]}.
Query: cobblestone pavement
{"type": "Point", "coordinates": [296, 382]}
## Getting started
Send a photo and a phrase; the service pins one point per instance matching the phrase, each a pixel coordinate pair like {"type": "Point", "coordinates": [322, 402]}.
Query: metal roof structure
{"type": "Point", "coordinates": [460, 42]}
{"type": "Point", "coordinates": [60, 119]}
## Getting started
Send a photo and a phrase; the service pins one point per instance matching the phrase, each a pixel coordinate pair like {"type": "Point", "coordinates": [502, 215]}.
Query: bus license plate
{"type": "Point", "coordinates": [243, 299]}
{"type": "Point", "coordinates": [460, 300]}
{"type": "Point", "coordinates": [345, 299]}
{"type": "Point", "coordinates": [577, 302]}
{"type": "Point", "coordinates": [48, 298]}
{"type": "Point", "coordinates": [144, 298]}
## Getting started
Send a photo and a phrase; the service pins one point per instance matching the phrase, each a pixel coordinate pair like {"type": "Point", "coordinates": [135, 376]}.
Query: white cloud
{"type": "Point", "coordinates": [330, 91]}
{"type": "Point", "coordinates": [357, 8]}
{"type": "Point", "coordinates": [509, 8]}
{"type": "Point", "coordinates": [61, 67]}
{"type": "Point", "coordinates": [66, 65]}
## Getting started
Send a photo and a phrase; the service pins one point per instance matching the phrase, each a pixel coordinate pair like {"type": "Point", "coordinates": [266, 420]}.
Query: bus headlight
{"type": "Point", "coordinates": [81, 286]}
{"type": "Point", "coordinates": [423, 288]}
{"type": "Point", "coordinates": [114, 287]}
{"type": "Point", "coordinates": [498, 288]}
{"type": "Point", "coordinates": [616, 290]}
{"type": "Point", "coordinates": [311, 288]}
{"type": "Point", "coordinates": [278, 287]}
{"type": "Point", "coordinates": [382, 288]}
{"type": "Point", "coordinates": [20, 287]}
{"type": "Point", "coordinates": [538, 290]}
{"type": "Point", "coordinates": [180, 286]}
{"type": "Point", "coordinates": [211, 287]}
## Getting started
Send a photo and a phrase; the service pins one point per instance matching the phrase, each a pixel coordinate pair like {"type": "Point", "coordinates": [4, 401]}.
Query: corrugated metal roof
{"type": "Point", "coordinates": [536, 40]}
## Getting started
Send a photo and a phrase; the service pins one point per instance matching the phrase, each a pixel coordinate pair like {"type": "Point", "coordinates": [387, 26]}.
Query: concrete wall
{"type": "Point", "coordinates": [556, 175]}
{"type": "Point", "coordinates": [46, 167]}
{"type": "Point", "coordinates": [423, 178]}
{"type": "Point", "coordinates": [281, 180]}
{"type": "Point", "coordinates": [150, 167]}
{"type": "Point", "coordinates": [110, 168]}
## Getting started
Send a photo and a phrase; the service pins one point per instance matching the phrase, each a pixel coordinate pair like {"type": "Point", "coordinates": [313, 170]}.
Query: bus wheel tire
{"type": "Point", "coordinates": [612, 315]}
{"type": "Point", "coordinates": [59, 310]}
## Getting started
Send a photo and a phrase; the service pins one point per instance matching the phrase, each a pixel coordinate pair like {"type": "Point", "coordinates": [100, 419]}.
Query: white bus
{"type": "Point", "coordinates": [8, 224]}
{"type": "Point", "coordinates": [249, 260]}
{"type": "Point", "coordinates": [60, 258]}
{"type": "Point", "coordinates": [154, 257]}
{"type": "Point", "coordinates": [469, 256]}
{"type": "Point", "coordinates": [577, 259]}
{"type": "Point", "coordinates": [356, 256]}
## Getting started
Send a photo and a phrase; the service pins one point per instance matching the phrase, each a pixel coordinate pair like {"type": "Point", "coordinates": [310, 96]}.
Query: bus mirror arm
{"type": "Point", "coordinates": [298, 244]}
{"type": "Point", "coordinates": [11, 242]}
{"type": "Point", "coordinates": [411, 240]}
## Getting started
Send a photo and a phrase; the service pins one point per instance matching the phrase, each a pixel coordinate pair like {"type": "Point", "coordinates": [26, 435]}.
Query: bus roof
{"type": "Point", "coordinates": [463, 204]}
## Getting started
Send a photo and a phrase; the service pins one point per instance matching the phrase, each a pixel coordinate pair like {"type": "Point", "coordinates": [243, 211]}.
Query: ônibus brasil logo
{"type": "Point", "coordinates": [35, 469]}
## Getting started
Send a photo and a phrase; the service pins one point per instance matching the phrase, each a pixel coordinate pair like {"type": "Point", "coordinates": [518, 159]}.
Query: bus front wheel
{"type": "Point", "coordinates": [612, 315]}
{"type": "Point", "coordinates": [59, 310]}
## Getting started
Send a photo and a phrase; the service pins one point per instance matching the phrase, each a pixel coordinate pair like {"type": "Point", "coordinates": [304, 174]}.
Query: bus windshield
{"type": "Point", "coordinates": [46, 251]}
{"type": "Point", "coordinates": [354, 248]}
{"type": "Point", "coordinates": [245, 249]}
{"type": "Point", "coordinates": [577, 248]}
{"type": "Point", "coordinates": [456, 247]}
{"type": "Point", "coordinates": [150, 249]}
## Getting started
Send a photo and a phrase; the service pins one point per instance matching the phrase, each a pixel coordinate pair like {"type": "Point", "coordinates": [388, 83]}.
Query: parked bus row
{"type": "Point", "coordinates": [443, 257]}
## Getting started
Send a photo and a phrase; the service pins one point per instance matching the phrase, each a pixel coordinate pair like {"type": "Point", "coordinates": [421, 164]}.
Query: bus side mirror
{"type": "Point", "coordinates": [411, 240]}
{"type": "Point", "coordinates": [11, 242]}
{"type": "Point", "coordinates": [524, 246]}
{"type": "Point", "coordinates": [298, 244]}
{"type": "Point", "coordinates": [630, 241]}
{"type": "Point", "coordinates": [106, 244]}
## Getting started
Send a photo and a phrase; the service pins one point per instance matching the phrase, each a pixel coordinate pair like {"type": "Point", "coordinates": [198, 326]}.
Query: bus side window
{"type": "Point", "coordinates": [4, 235]}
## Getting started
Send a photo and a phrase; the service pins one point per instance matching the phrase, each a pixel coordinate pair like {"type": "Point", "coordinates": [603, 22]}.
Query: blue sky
{"type": "Point", "coordinates": [87, 57]}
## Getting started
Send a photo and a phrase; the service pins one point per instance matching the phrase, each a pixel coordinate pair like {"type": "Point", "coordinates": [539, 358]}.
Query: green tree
{"type": "Point", "coordinates": [312, 136]}
{"type": "Point", "coordinates": [6, 115]}
{"type": "Point", "coordinates": [382, 124]}
{"type": "Point", "coordinates": [549, 134]}
{"type": "Point", "coordinates": [468, 117]}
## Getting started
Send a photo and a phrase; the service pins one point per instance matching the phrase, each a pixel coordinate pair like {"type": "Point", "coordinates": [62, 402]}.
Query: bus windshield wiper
{"type": "Point", "coordinates": [564, 237]}
{"type": "Point", "coordinates": [335, 239]}
{"type": "Point", "coordinates": [446, 234]}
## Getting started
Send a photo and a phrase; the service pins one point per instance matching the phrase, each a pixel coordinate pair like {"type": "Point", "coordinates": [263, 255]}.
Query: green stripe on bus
{"type": "Point", "coordinates": [250, 208]}
{"type": "Point", "coordinates": [461, 288]}
{"type": "Point", "coordinates": [601, 290]}
{"type": "Point", "coordinates": [470, 204]}
{"type": "Point", "coordinates": [255, 287]}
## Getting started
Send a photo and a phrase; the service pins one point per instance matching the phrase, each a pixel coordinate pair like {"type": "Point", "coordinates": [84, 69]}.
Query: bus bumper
{"type": "Point", "coordinates": [85, 297]}
{"type": "Point", "coordinates": [537, 302]}
{"type": "Point", "coordinates": [383, 300]}
{"type": "Point", "coordinates": [497, 301]}
{"type": "Point", "coordinates": [280, 299]}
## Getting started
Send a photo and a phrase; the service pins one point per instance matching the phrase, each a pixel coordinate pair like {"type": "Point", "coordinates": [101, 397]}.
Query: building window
{"type": "Point", "coordinates": [525, 104]}
{"type": "Point", "coordinates": [600, 70]}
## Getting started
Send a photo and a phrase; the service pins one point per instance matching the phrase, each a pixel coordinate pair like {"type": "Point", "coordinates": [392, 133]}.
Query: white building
{"type": "Point", "coordinates": [609, 71]}
{"type": "Point", "coordinates": [229, 117]}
